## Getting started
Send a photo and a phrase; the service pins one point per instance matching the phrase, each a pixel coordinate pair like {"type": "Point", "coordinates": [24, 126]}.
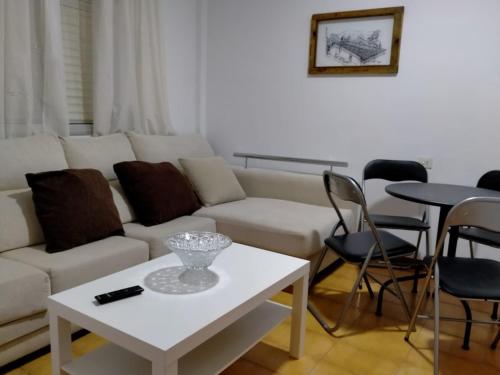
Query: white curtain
{"type": "Point", "coordinates": [32, 91]}
{"type": "Point", "coordinates": [129, 68]}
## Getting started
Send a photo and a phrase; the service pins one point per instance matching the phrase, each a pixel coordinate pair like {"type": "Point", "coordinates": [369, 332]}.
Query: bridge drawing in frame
{"type": "Point", "coordinates": [354, 48]}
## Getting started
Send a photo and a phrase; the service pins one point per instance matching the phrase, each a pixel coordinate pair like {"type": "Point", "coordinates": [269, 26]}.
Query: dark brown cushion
{"type": "Point", "coordinates": [74, 207]}
{"type": "Point", "coordinates": [158, 192]}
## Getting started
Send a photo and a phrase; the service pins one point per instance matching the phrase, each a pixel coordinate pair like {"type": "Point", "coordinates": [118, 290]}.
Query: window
{"type": "Point", "coordinates": [76, 18]}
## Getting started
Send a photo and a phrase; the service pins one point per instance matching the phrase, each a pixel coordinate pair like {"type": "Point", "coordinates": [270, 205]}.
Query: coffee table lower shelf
{"type": "Point", "coordinates": [209, 358]}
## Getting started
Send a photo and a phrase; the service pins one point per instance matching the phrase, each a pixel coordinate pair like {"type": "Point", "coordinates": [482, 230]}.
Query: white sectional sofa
{"type": "Point", "coordinates": [283, 212]}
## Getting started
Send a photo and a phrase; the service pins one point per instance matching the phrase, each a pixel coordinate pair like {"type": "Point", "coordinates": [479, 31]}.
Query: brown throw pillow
{"type": "Point", "coordinates": [74, 207]}
{"type": "Point", "coordinates": [158, 192]}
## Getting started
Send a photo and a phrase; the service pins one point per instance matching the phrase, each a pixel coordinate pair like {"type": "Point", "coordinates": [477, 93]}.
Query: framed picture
{"type": "Point", "coordinates": [356, 42]}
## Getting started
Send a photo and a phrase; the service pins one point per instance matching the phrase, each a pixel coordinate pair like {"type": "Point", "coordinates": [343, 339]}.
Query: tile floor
{"type": "Point", "coordinates": [366, 345]}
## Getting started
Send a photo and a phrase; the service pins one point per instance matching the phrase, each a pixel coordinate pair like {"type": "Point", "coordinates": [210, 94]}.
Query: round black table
{"type": "Point", "coordinates": [444, 196]}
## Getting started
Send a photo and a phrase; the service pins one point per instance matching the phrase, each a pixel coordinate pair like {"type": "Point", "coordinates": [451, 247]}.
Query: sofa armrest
{"type": "Point", "coordinates": [297, 187]}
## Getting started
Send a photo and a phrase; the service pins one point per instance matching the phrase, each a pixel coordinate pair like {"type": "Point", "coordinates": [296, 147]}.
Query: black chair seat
{"type": "Point", "coordinates": [481, 236]}
{"type": "Point", "coordinates": [399, 222]}
{"type": "Point", "coordinates": [470, 277]}
{"type": "Point", "coordinates": [354, 247]}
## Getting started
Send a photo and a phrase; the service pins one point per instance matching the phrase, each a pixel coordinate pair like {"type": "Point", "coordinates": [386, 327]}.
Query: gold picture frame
{"type": "Point", "coordinates": [356, 42]}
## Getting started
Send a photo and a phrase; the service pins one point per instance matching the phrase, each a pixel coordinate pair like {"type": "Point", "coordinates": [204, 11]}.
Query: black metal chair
{"type": "Point", "coordinates": [464, 278]}
{"type": "Point", "coordinates": [397, 171]}
{"type": "Point", "coordinates": [489, 180]}
{"type": "Point", "coordinates": [360, 248]}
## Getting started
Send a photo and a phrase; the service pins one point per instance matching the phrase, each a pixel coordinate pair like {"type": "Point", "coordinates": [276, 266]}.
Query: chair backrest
{"type": "Point", "coordinates": [490, 180]}
{"type": "Point", "coordinates": [344, 187]}
{"type": "Point", "coordinates": [347, 189]}
{"type": "Point", "coordinates": [480, 212]}
{"type": "Point", "coordinates": [395, 170]}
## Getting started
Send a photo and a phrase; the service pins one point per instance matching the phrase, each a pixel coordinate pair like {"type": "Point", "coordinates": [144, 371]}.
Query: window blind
{"type": "Point", "coordinates": [76, 18]}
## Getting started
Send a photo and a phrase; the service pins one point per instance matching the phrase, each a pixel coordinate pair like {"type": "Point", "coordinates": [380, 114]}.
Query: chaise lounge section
{"type": "Point", "coordinates": [284, 212]}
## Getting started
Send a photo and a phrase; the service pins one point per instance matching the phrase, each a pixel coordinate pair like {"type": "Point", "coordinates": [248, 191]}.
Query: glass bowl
{"type": "Point", "coordinates": [197, 251]}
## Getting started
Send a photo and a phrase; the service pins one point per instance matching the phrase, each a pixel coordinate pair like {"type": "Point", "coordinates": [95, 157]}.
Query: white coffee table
{"type": "Point", "coordinates": [193, 334]}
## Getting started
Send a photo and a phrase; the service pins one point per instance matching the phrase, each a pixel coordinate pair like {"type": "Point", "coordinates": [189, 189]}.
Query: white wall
{"type": "Point", "coordinates": [444, 103]}
{"type": "Point", "coordinates": [180, 25]}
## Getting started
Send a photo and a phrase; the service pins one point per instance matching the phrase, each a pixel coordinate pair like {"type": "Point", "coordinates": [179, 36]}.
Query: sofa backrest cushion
{"type": "Point", "coordinates": [125, 210]}
{"type": "Point", "coordinates": [19, 156]}
{"type": "Point", "coordinates": [19, 226]}
{"type": "Point", "coordinates": [99, 153]}
{"type": "Point", "coordinates": [158, 148]}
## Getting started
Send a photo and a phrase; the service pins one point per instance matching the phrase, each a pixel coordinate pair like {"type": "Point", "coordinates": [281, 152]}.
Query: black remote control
{"type": "Point", "coordinates": [119, 294]}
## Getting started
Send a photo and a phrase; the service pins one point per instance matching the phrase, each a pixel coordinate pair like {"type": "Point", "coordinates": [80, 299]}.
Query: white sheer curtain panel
{"type": "Point", "coordinates": [32, 91]}
{"type": "Point", "coordinates": [129, 68]}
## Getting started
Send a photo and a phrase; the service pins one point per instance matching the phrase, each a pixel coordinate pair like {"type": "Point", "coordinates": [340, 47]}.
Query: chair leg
{"type": "Point", "coordinates": [360, 222]}
{"type": "Point", "coordinates": [384, 286]}
{"type": "Point", "coordinates": [380, 297]}
{"type": "Point", "coordinates": [420, 301]}
{"type": "Point", "coordinates": [317, 314]}
{"type": "Point", "coordinates": [422, 294]}
{"type": "Point", "coordinates": [317, 265]}
{"type": "Point", "coordinates": [494, 313]}
{"type": "Point", "coordinates": [368, 286]}
{"type": "Point", "coordinates": [414, 288]}
{"type": "Point", "coordinates": [360, 287]}
{"type": "Point", "coordinates": [468, 325]}
{"type": "Point", "coordinates": [471, 249]}
{"type": "Point", "coordinates": [427, 243]}
{"type": "Point", "coordinates": [399, 293]}
{"type": "Point", "coordinates": [427, 253]}
{"type": "Point", "coordinates": [496, 340]}
{"type": "Point", "coordinates": [418, 241]}
{"type": "Point", "coordinates": [436, 321]}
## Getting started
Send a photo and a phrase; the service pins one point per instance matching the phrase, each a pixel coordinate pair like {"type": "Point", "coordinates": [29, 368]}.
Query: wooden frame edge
{"type": "Point", "coordinates": [392, 68]}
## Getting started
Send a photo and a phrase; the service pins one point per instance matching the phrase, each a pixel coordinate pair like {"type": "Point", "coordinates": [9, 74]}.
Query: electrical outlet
{"type": "Point", "coordinates": [426, 162]}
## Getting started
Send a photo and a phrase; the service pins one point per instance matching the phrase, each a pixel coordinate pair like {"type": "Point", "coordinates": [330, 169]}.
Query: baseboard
{"type": "Point", "coordinates": [36, 354]}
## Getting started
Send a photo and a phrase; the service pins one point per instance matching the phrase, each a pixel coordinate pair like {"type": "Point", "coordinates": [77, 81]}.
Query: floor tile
{"type": "Point", "coordinates": [19, 371]}
{"type": "Point", "coordinates": [243, 367]}
{"type": "Point", "coordinates": [40, 366]}
{"type": "Point", "coordinates": [272, 352]}
{"type": "Point", "coordinates": [328, 368]}
{"type": "Point", "coordinates": [86, 344]}
{"type": "Point", "coordinates": [365, 345]}
{"type": "Point", "coordinates": [359, 361]}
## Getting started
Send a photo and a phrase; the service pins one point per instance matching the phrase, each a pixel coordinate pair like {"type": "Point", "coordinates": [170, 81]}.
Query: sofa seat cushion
{"type": "Point", "coordinates": [156, 235]}
{"type": "Point", "coordinates": [291, 228]}
{"type": "Point", "coordinates": [23, 290]}
{"type": "Point", "coordinates": [83, 263]}
{"type": "Point", "coordinates": [16, 329]}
